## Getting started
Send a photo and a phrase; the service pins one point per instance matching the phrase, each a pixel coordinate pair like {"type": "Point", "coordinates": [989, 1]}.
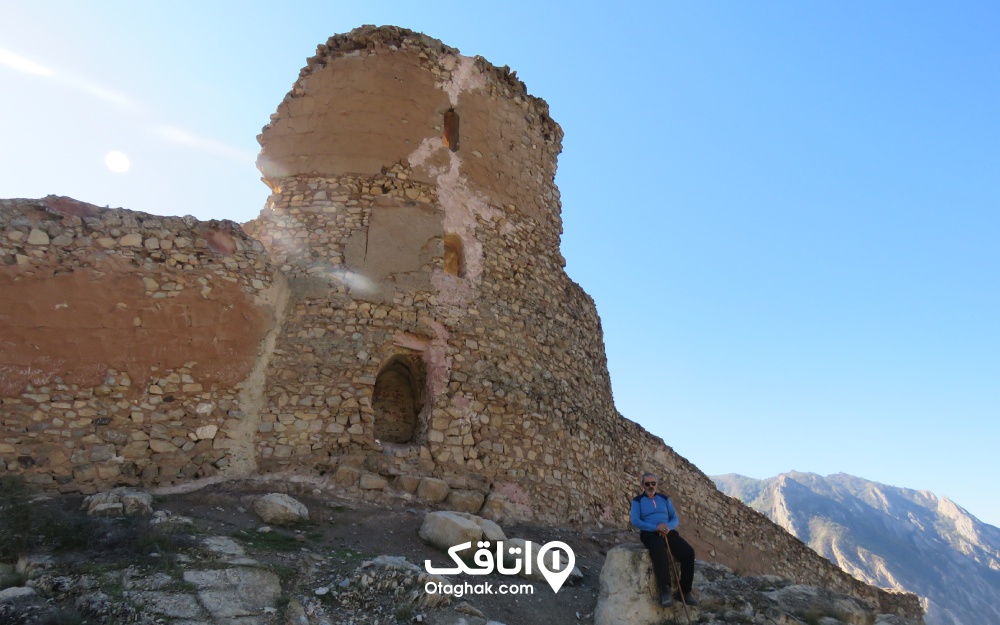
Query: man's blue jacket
{"type": "Point", "coordinates": [648, 512]}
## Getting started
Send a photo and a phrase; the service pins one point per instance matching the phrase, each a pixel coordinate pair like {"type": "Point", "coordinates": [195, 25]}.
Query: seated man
{"type": "Point", "coordinates": [654, 516]}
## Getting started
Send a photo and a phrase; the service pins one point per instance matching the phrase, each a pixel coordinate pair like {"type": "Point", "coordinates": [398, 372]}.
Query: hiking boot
{"type": "Point", "coordinates": [666, 600]}
{"type": "Point", "coordinates": [690, 600]}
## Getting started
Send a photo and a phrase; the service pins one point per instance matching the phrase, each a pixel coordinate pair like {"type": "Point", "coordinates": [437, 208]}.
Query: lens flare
{"type": "Point", "coordinates": [22, 64]}
{"type": "Point", "coordinates": [357, 283]}
{"type": "Point", "coordinates": [117, 162]}
{"type": "Point", "coordinates": [290, 247]}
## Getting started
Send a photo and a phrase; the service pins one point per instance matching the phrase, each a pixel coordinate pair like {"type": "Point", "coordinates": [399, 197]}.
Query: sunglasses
{"type": "Point", "coordinates": [649, 483]}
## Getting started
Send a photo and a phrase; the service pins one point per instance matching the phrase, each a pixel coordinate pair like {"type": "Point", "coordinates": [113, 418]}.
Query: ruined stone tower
{"type": "Point", "coordinates": [431, 330]}
{"type": "Point", "coordinates": [397, 326]}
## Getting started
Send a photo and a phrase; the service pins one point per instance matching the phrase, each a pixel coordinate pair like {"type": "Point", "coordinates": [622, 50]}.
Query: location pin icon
{"type": "Point", "coordinates": [556, 578]}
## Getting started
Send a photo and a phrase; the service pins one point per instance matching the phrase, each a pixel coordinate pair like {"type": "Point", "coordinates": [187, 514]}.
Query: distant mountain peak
{"type": "Point", "coordinates": [888, 536]}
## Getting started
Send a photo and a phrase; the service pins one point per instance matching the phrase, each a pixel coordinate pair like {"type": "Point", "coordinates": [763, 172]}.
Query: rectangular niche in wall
{"type": "Point", "coordinates": [453, 255]}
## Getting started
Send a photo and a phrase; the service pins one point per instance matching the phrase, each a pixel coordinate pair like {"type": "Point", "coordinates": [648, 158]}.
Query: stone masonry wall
{"type": "Point", "coordinates": [514, 374]}
{"type": "Point", "coordinates": [127, 343]}
{"type": "Point", "coordinates": [402, 282]}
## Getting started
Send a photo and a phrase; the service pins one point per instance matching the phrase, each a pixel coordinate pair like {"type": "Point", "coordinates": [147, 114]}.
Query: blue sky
{"type": "Point", "coordinates": [787, 212]}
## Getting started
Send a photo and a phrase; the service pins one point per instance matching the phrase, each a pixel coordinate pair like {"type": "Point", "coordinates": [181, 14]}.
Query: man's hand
{"type": "Point", "coordinates": [662, 529]}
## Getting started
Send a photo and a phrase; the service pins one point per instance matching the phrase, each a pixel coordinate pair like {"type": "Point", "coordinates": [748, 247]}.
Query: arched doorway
{"type": "Point", "coordinates": [398, 398]}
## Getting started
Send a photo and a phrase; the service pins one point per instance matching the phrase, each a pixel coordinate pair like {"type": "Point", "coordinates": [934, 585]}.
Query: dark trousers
{"type": "Point", "coordinates": [683, 554]}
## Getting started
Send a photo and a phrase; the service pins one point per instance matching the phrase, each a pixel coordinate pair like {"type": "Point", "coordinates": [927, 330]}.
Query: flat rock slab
{"type": "Point", "coordinates": [223, 545]}
{"type": "Point", "coordinates": [12, 594]}
{"type": "Point", "coordinates": [235, 593]}
{"type": "Point", "coordinates": [229, 550]}
{"type": "Point", "coordinates": [171, 604]}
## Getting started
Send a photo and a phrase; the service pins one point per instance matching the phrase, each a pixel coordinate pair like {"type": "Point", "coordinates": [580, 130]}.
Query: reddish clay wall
{"type": "Point", "coordinates": [127, 340]}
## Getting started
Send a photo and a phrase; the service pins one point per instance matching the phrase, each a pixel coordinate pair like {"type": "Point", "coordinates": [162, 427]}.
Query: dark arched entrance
{"type": "Point", "coordinates": [398, 398]}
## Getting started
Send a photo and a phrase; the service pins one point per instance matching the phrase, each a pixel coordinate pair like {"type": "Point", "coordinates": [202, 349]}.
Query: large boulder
{"type": "Point", "coordinates": [627, 596]}
{"type": "Point", "coordinates": [432, 490]}
{"type": "Point", "coordinates": [121, 501]}
{"type": "Point", "coordinates": [371, 481]}
{"type": "Point", "coordinates": [494, 507]}
{"type": "Point", "coordinates": [444, 530]}
{"type": "Point", "coordinates": [347, 475]}
{"type": "Point", "coordinates": [537, 563]}
{"type": "Point", "coordinates": [280, 509]}
{"type": "Point", "coordinates": [627, 589]}
{"type": "Point", "coordinates": [811, 601]}
{"type": "Point", "coordinates": [33, 565]}
{"type": "Point", "coordinates": [449, 528]}
{"type": "Point", "coordinates": [491, 531]}
{"type": "Point", "coordinates": [469, 501]}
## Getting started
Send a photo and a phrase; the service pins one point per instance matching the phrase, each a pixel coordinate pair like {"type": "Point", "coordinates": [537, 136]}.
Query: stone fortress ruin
{"type": "Point", "coordinates": [396, 324]}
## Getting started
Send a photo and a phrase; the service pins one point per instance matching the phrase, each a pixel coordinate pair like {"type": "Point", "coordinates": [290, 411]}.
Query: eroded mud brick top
{"type": "Point", "coordinates": [379, 96]}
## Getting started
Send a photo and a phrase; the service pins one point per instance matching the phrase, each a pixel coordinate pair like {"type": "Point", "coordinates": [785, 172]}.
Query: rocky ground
{"type": "Point", "coordinates": [207, 557]}
{"type": "Point", "coordinates": [209, 544]}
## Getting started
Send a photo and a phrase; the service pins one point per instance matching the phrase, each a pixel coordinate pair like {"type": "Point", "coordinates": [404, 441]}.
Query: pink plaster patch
{"type": "Point", "coordinates": [438, 361]}
{"type": "Point", "coordinates": [220, 242]}
{"type": "Point", "coordinates": [425, 151]}
{"type": "Point", "coordinates": [436, 358]}
{"type": "Point", "coordinates": [518, 501]}
{"type": "Point", "coordinates": [411, 341]}
{"type": "Point", "coordinates": [465, 76]}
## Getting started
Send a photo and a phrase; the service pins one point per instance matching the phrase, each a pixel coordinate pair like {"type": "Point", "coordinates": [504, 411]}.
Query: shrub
{"type": "Point", "coordinates": [11, 580]}
{"type": "Point", "coordinates": [28, 524]}
{"type": "Point", "coordinates": [269, 541]}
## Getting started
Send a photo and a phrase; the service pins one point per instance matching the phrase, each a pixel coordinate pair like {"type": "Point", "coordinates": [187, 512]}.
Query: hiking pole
{"type": "Point", "coordinates": [677, 576]}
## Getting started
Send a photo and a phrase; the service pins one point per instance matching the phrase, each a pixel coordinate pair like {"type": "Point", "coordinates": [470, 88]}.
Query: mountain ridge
{"type": "Point", "coordinates": [887, 536]}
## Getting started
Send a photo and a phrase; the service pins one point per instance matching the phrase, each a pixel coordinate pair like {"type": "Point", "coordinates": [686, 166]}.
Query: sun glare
{"type": "Point", "coordinates": [22, 64]}
{"type": "Point", "coordinates": [117, 162]}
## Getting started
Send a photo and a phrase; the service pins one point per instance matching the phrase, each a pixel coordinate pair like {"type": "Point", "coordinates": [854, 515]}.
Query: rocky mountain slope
{"type": "Point", "coordinates": [889, 537]}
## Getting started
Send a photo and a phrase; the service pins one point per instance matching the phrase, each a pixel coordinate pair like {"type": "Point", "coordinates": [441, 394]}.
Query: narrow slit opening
{"type": "Point", "coordinates": [454, 259]}
{"type": "Point", "coordinates": [450, 134]}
